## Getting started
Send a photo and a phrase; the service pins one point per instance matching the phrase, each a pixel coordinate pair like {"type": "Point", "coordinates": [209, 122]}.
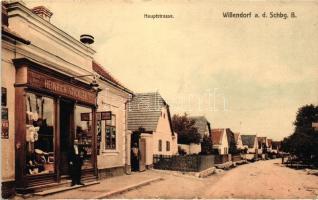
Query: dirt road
{"type": "Point", "coordinates": [262, 179]}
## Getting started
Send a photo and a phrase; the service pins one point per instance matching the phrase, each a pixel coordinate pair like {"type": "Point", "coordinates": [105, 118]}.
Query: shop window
{"type": "Point", "coordinates": [84, 135]}
{"type": "Point", "coordinates": [160, 145]}
{"type": "Point", "coordinates": [110, 133]}
{"type": "Point", "coordinates": [39, 134]}
{"type": "Point", "coordinates": [167, 146]}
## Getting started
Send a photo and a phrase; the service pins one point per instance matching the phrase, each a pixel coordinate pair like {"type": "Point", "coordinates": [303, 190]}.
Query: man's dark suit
{"type": "Point", "coordinates": [76, 161]}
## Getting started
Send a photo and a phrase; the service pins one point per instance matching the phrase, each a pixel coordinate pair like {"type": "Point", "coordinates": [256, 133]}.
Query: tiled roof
{"type": "Point", "coordinates": [201, 124]}
{"type": "Point", "coordinates": [217, 135]}
{"type": "Point", "coordinates": [144, 111]}
{"type": "Point", "coordinates": [99, 69]}
{"type": "Point", "coordinates": [230, 136]}
{"type": "Point", "coordinates": [248, 140]}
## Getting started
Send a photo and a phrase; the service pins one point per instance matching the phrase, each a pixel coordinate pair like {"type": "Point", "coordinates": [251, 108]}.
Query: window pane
{"type": "Point", "coordinates": [39, 134]}
{"type": "Point", "coordinates": [110, 133]}
{"type": "Point", "coordinates": [160, 145]}
{"type": "Point", "coordinates": [84, 135]}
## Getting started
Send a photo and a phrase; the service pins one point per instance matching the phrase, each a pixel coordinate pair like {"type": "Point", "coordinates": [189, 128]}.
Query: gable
{"type": "Point", "coordinates": [144, 110]}
{"type": "Point", "coordinates": [164, 125]}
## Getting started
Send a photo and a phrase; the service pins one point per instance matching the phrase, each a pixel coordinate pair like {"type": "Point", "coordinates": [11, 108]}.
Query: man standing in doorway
{"type": "Point", "coordinates": [76, 161]}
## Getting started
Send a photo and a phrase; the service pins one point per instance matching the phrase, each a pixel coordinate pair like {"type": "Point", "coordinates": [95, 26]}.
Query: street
{"type": "Point", "coordinates": [262, 179]}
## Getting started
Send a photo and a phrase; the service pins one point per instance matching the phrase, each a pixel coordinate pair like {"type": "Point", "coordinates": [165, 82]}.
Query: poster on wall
{"type": "Point", "coordinates": [5, 129]}
{"type": "Point", "coordinates": [3, 96]}
{"type": "Point", "coordinates": [4, 114]}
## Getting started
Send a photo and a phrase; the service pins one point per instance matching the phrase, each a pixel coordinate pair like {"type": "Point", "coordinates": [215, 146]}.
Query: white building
{"type": "Point", "coordinates": [113, 139]}
{"type": "Point", "coordinates": [220, 140]}
{"type": "Point", "coordinates": [149, 123]}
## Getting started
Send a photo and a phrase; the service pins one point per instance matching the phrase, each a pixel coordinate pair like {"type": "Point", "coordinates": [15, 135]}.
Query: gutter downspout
{"type": "Point", "coordinates": [127, 139]}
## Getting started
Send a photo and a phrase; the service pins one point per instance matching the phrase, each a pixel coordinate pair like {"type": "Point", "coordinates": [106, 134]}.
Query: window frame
{"type": "Point", "coordinates": [160, 145]}
{"type": "Point", "coordinates": [54, 124]}
{"type": "Point", "coordinates": [111, 126]}
{"type": "Point", "coordinates": [168, 147]}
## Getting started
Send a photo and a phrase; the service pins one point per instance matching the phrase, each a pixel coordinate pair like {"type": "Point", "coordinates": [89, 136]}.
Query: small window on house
{"type": "Point", "coordinates": [160, 145]}
{"type": "Point", "coordinates": [110, 133]}
{"type": "Point", "coordinates": [167, 146]}
{"type": "Point", "coordinates": [164, 115]}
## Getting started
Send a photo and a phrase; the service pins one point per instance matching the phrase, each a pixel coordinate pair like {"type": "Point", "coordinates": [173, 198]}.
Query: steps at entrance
{"type": "Point", "coordinates": [65, 188]}
{"type": "Point", "coordinates": [64, 184]}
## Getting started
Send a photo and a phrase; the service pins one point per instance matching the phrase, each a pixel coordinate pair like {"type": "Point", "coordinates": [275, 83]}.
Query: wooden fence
{"type": "Point", "coordinates": [189, 163]}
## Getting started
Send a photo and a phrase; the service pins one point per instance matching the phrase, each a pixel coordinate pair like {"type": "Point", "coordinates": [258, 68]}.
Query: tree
{"type": "Point", "coordinates": [206, 145]}
{"type": "Point", "coordinates": [232, 145]}
{"type": "Point", "coordinates": [304, 141]}
{"type": "Point", "coordinates": [184, 126]}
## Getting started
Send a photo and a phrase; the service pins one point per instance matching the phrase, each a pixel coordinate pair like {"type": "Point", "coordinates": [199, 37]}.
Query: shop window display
{"type": "Point", "coordinates": [83, 117]}
{"type": "Point", "coordinates": [39, 134]}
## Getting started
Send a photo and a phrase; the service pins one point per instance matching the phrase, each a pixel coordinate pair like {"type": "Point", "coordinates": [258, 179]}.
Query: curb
{"type": "Point", "coordinates": [128, 188]}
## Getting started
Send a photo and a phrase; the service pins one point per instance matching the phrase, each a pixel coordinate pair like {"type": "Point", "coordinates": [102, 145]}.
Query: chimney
{"type": "Point", "coordinates": [42, 12]}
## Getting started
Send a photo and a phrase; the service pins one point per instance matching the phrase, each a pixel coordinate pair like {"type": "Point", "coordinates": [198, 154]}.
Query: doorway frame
{"type": "Point", "coordinates": [71, 133]}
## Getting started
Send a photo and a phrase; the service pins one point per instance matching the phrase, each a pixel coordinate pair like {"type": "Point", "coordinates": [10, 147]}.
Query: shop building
{"type": "Point", "coordinates": [50, 101]}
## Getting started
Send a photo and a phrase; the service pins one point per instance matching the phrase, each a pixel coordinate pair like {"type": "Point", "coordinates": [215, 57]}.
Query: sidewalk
{"type": "Point", "coordinates": [107, 187]}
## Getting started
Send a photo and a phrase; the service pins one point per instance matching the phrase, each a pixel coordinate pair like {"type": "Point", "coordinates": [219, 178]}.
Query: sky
{"type": "Point", "coordinates": [247, 74]}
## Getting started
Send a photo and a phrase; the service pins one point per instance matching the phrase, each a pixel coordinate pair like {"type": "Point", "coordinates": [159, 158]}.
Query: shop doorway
{"type": "Point", "coordinates": [138, 158]}
{"type": "Point", "coordinates": [66, 133]}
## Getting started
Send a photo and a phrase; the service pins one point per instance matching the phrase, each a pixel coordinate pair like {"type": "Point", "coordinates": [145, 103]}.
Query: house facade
{"type": "Point", "coordinates": [250, 143]}
{"type": "Point", "coordinates": [276, 146]}
{"type": "Point", "coordinates": [10, 41]}
{"type": "Point", "coordinates": [112, 135]}
{"type": "Point", "coordinates": [262, 145]}
{"type": "Point", "coordinates": [220, 141]}
{"type": "Point", "coordinates": [149, 123]}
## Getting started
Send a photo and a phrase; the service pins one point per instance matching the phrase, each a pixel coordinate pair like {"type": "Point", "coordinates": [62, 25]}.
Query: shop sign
{"type": "Point", "coordinates": [3, 96]}
{"type": "Point", "coordinates": [60, 87]}
{"type": "Point", "coordinates": [85, 116]}
{"type": "Point", "coordinates": [107, 115]}
{"type": "Point", "coordinates": [5, 129]}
